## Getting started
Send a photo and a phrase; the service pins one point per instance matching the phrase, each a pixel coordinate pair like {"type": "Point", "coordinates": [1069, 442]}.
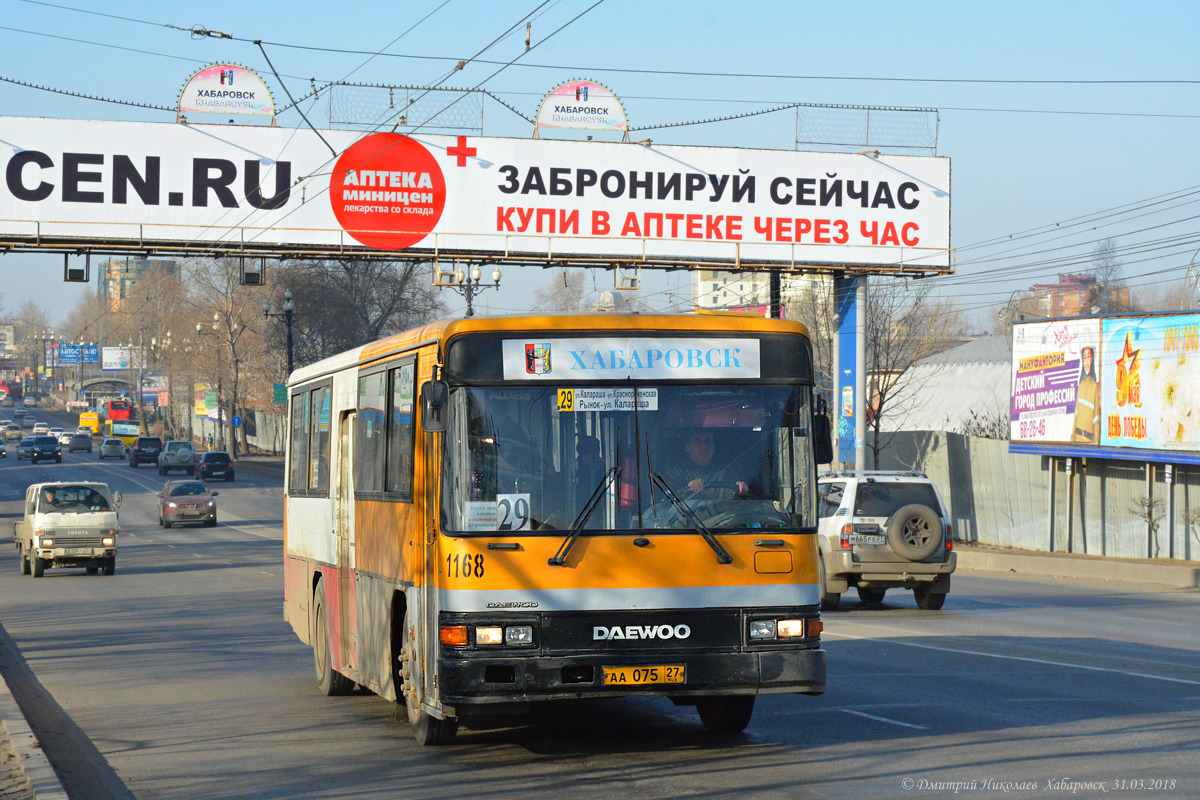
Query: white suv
{"type": "Point", "coordinates": [880, 531]}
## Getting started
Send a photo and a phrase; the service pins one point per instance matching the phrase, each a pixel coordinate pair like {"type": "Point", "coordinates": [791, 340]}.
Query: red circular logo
{"type": "Point", "coordinates": [387, 191]}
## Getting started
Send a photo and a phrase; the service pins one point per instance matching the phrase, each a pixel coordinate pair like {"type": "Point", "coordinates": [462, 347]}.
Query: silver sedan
{"type": "Point", "coordinates": [112, 448]}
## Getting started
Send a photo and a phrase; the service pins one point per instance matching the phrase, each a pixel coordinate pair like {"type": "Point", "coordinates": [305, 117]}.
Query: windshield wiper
{"type": "Point", "coordinates": [585, 514]}
{"type": "Point", "coordinates": [723, 556]}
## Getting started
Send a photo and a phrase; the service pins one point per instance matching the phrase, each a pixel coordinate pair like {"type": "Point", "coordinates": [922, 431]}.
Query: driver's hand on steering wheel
{"type": "Point", "coordinates": [697, 485]}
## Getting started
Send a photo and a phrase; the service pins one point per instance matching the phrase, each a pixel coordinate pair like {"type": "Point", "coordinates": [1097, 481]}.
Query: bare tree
{"type": "Point", "coordinates": [236, 319]}
{"type": "Point", "coordinates": [29, 323]}
{"type": "Point", "coordinates": [1109, 294]}
{"type": "Point", "coordinates": [905, 324]}
{"type": "Point", "coordinates": [565, 292]}
{"type": "Point", "coordinates": [991, 424]}
{"type": "Point", "coordinates": [1176, 296]}
{"type": "Point", "coordinates": [1150, 511]}
{"type": "Point", "coordinates": [811, 301]}
{"type": "Point", "coordinates": [343, 303]}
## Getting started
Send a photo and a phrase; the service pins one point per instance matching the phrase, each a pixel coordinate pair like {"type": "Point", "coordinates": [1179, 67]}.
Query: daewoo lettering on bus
{"type": "Point", "coordinates": [486, 513]}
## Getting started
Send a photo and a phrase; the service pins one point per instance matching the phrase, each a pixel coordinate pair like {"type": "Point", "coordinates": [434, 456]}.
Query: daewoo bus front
{"type": "Point", "coordinates": [627, 507]}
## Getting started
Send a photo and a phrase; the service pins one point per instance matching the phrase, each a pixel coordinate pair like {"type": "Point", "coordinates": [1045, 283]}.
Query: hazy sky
{"type": "Point", "coordinates": [1060, 119]}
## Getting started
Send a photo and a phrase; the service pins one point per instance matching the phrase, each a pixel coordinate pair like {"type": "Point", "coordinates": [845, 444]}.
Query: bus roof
{"type": "Point", "coordinates": [443, 330]}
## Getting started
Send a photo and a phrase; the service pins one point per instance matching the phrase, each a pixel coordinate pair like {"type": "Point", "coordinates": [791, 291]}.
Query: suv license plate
{"type": "Point", "coordinates": [635, 676]}
{"type": "Point", "coordinates": [867, 538]}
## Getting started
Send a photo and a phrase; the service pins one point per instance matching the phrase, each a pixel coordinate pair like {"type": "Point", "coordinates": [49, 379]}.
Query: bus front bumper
{"type": "Point", "coordinates": [480, 681]}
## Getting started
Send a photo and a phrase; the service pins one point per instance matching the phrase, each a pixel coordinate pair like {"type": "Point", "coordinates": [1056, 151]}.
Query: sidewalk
{"type": "Point", "coordinates": [1158, 572]}
{"type": "Point", "coordinates": [25, 774]}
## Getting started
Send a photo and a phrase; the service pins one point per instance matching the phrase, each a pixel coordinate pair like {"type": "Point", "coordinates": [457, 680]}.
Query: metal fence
{"type": "Point", "coordinates": [1102, 507]}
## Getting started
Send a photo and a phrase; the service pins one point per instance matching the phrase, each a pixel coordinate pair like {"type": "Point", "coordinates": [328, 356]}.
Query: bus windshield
{"type": "Point", "coordinates": [531, 458]}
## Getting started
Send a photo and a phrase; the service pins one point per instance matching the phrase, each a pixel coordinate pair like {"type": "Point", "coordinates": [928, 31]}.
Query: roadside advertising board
{"type": "Point", "coordinates": [1151, 392]}
{"type": "Point", "coordinates": [533, 199]}
{"type": "Point", "coordinates": [1047, 377]}
{"type": "Point", "coordinates": [1142, 393]}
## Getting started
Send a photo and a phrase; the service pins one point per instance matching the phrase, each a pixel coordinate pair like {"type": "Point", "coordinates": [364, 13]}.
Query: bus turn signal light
{"type": "Point", "coordinates": [454, 635]}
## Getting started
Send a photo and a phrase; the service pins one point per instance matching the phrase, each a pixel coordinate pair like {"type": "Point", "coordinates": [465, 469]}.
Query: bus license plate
{"type": "Point", "coordinates": [867, 538]}
{"type": "Point", "coordinates": [636, 676]}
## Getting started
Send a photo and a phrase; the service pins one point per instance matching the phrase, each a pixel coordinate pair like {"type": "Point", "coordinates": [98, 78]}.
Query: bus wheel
{"type": "Point", "coordinates": [429, 731]}
{"type": "Point", "coordinates": [330, 682]}
{"type": "Point", "coordinates": [729, 714]}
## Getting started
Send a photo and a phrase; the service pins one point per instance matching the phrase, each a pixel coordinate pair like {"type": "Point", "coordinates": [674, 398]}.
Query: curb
{"type": "Point", "coordinates": [42, 779]}
{"type": "Point", "coordinates": [1068, 566]}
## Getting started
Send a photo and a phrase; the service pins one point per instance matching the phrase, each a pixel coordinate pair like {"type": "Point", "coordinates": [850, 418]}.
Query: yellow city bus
{"type": "Point", "coordinates": [488, 512]}
{"type": "Point", "coordinates": [124, 430]}
{"type": "Point", "coordinates": [90, 420]}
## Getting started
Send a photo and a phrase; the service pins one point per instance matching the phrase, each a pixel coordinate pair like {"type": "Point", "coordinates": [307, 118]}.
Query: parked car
{"type": "Point", "coordinates": [883, 530]}
{"type": "Point", "coordinates": [111, 448]}
{"type": "Point", "coordinates": [45, 448]}
{"type": "Point", "coordinates": [177, 454]}
{"type": "Point", "coordinates": [215, 464]}
{"type": "Point", "coordinates": [186, 501]}
{"type": "Point", "coordinates": [25, 448]}
{"type": "Point", "coordinates": [145, 450]}
{"type": "Point", "coordinates": [80, 441]}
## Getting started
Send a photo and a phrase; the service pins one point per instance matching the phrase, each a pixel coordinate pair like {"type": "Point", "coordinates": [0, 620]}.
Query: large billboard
{"type": "Point", "coordinates": [1055, 376]}
{"type": "Point", "coordinates": [180, 187]}
{"type": "Point", "coordinates": [1151, 395]}
{"type": "Point", "coordinates": [1108, 384]}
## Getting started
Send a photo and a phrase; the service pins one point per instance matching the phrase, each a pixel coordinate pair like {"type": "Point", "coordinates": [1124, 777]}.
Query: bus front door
{"type": "Point", "coordinates": [343, 522]}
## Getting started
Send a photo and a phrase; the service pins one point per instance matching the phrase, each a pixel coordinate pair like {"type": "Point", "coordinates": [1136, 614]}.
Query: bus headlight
{"type": "Point", "coordinates": [762, 629]}
{"type": "Point", "coordinates": [518, 634]}
{"type": "Point", "coordinates": [489, 636]}
{"type": "Point", "coordinates": [791, 628]}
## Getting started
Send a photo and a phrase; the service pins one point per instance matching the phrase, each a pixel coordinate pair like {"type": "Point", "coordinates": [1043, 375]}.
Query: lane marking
{"type": "Point", "coordinates": [883, 719]}
{"type": "Point", "coordinates": [1025, 659]}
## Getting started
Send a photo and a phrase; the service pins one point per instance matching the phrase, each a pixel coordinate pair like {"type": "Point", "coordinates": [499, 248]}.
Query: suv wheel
{"type": "Point", "coordinates": [915, 532]}
{"type": "Point", "coordinates": [871, 597]}
{"type": "Point", "coordinates": [927, 600]}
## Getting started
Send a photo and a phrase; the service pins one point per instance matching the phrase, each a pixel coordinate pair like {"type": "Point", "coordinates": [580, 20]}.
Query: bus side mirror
{"type": "Point", "coordinates": [822, 435]}
{"type": "Point", "coordinates": [434, 397]}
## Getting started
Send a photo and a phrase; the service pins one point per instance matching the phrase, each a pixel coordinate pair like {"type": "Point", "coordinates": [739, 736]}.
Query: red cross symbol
{"type": "Point", "coordinates": [462, 151]}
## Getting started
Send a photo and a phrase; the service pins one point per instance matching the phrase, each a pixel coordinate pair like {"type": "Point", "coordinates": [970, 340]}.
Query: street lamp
{"type": "Point", "coordinates": [40, 380]}
{"type": "Point", "coordinates": [160, 351]}
{"type": "Point", "coordinates": [468, 287]}
{"type": "Point", "coordinates": [220, 415]}
{"type": "Point", "coordinates": [289, 308]}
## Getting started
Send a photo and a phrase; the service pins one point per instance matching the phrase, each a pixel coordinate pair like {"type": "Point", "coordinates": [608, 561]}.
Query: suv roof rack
{"type": "Point", "coordinates": [859, 473]}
